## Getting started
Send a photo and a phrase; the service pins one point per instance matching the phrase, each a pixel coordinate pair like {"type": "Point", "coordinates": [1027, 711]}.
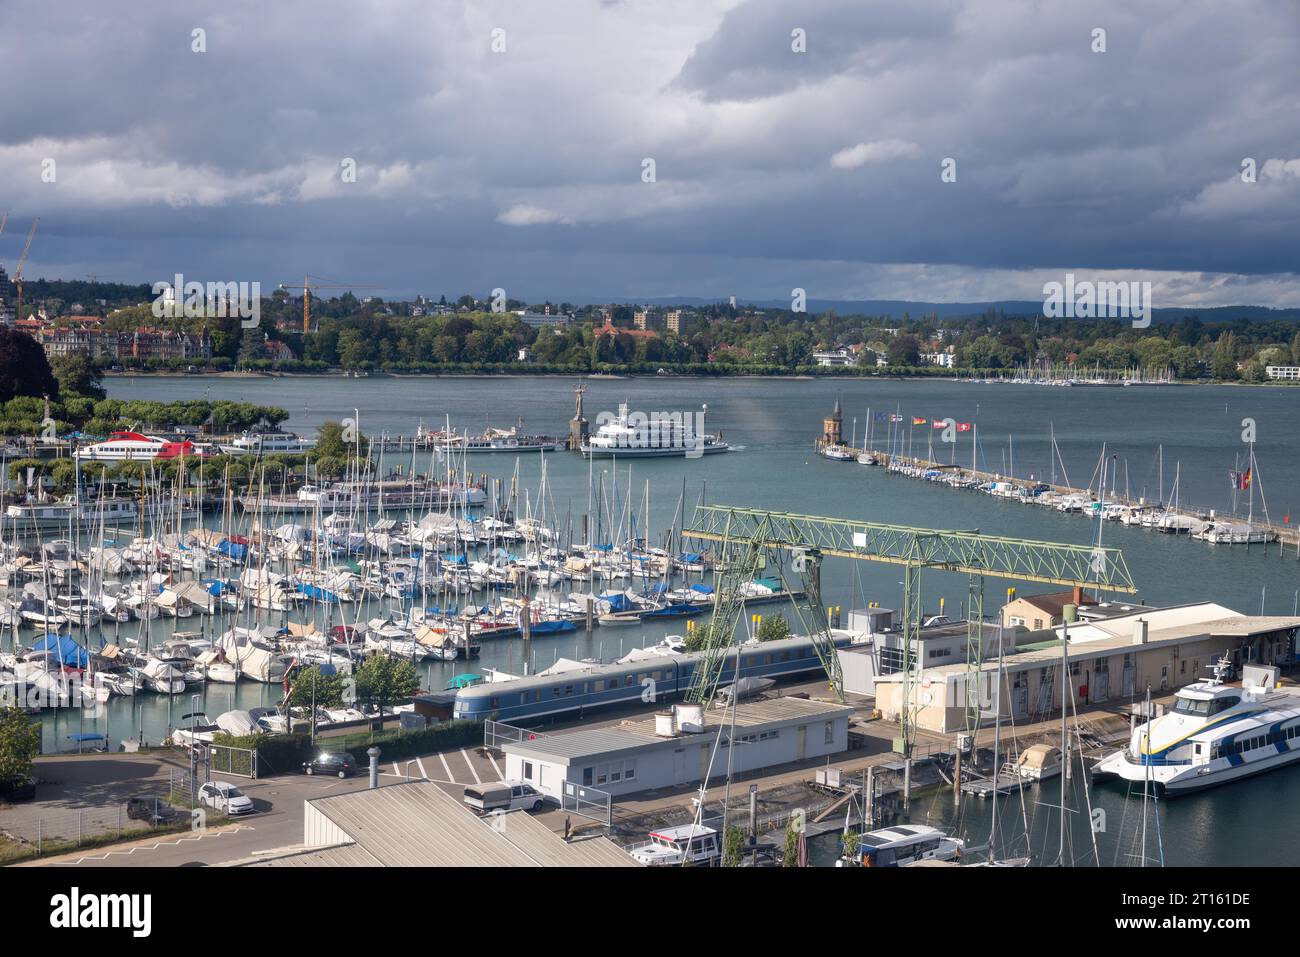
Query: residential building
{"type": "Point", "coordinates": [1037, 612]}
{"type": "Point", "coordinates": [1285, 373]}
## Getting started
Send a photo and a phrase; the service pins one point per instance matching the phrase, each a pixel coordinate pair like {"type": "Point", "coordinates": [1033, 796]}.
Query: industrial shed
{"type": "Point", "coordinates": [418, 824]}
{"type": "Point", "coordinates": [634, 756]}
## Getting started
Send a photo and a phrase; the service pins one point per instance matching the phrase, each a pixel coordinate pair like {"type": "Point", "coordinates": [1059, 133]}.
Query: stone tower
{"type": "Point", "coordinates": [833, 426]}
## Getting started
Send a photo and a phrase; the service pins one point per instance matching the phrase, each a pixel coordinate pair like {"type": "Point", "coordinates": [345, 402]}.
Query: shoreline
{"type": "Point", "coordinates": [617, 376]}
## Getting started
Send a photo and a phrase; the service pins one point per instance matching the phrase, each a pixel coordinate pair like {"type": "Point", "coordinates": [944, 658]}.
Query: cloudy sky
{"type": "Point", "coordinates": [506, 143]}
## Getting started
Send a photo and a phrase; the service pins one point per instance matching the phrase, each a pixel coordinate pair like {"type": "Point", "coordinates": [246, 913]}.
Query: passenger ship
{"type": "Point", "coordinates": [1215, 733]}
{"type": "Point", "coordinates": [268, 443]}
{"type": "Point", "coordinates": [629, 435]}
{"type": "Point", "coordinates": [132, 446]}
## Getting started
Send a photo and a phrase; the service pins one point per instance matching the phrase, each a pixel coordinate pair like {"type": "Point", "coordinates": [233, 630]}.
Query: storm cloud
{"type": "Point", "coordinates": [793, 143]}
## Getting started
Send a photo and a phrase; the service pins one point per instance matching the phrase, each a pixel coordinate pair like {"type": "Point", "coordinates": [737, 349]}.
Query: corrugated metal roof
{"type": "Point", "coordinates": [417, 824]}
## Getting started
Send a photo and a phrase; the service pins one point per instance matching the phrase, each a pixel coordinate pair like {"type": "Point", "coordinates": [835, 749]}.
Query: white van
{"type": "Point", "coordinates": [503, 796]}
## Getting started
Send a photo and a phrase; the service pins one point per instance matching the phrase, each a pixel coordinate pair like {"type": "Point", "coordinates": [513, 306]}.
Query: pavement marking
{"type": "Point", "coordinates": [496, 767]}
{"type": "Point", "coordinates": [397, 772]}
{"type": "Point", "coordinates": [420, 764]}
{"type": "Point", "coordinates": [154, 847]}
{"type": "Point", "coordinates": [469, 764]}
{"type": "Point", "coordinates": [443, 759]}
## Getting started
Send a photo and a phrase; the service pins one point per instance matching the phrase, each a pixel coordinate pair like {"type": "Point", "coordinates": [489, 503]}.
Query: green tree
{"type": "Point", "coordinates": [790, 852]}
{"type": "Point", "coordinates": [20, 742]}
{"type": "Point", "coordinates": [77, 375]}
{"type": "Point", "coordinates": [24, 370]}
{"type": "Point", "coordinates": [733, 847]}
{"type": "Point", "coordinates": [312, 687]}
{"type": "Point", "coordinates": [382, 681]}
{"type": "Point", "coordinates": [773, 628]}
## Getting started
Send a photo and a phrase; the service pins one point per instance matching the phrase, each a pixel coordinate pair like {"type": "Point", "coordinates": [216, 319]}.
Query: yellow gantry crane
{"type": "Point", "coordinates": [18, 273]}
{"type": "Point", "coordinates": [315, 282]}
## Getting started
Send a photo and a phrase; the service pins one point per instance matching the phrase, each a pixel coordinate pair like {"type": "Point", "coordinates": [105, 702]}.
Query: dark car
{"type": "Point", "coordinates": [153, 810]}
{"type": "Point", "coordinates": [331, 762]}
{"type": "Point", "coordinates": [21, 788]}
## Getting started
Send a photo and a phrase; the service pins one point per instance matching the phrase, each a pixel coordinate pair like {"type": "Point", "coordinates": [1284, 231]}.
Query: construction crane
{"type": "Point", "coordinates": [745, 534]}
{"type": "Point", "coordinates": [18, 273]}
{"type": "Point", "coordinates": [314, 282]}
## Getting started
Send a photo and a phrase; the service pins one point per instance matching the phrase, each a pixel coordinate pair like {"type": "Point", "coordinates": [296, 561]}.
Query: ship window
{"type": "Point", "coordinates": [1192, 707]}
{"type": "Point", "coordinates": [600, 684]}
{"type": "Point", "coordinates": [629, 680]}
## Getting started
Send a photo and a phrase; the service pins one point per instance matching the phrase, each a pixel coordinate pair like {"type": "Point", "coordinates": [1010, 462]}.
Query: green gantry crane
{"type": "Point", "coordinates": [746, 534]}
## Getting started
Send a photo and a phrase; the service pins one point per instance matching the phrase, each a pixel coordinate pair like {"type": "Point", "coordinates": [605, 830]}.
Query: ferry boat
{"type": "Point", "coordinates": [1215, 733]}
{"type": "Point", "coordinates": [837, 453]}
{"type": "Point", "coordinates": [492, 440]}
{"type": "Point", "coordinates": [133, 446]}
{"type": "Point", "coordinates": [109, 510]}
{"type": "Point", "coordinates": [637, 436]}
{"type": "Point", "coordinates": [347, 496]}
{"type": "Point", "coordinates": [268, 443]}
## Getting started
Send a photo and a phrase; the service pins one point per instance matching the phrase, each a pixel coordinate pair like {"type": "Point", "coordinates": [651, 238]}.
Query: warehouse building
{"type": "Point", "coordinates": [680, 747]}
{"type": "Point", "coordinates": [418, 824]}
{"type": "Point", "coordinates": [1114, 658]}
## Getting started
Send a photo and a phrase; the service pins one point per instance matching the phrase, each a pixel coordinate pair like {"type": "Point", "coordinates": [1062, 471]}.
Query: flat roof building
{"type": "Point", "coordinates": [633, 756]}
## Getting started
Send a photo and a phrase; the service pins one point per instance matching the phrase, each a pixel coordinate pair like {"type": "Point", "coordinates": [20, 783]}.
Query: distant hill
{"type": "Point", "coordinates": [894, 308]}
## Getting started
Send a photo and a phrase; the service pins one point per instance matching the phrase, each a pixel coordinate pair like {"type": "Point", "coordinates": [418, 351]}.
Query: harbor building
{"type": "Point", "coordinates": [1037, 612]}
{"type": "Point", "coordinates": [418, 824]}
{"type": "Point", "coordinates": [1114, 657]}
{"type": "Point", "coordinates": [675, 747]}
{"type": "Point", "coordinates": [877, 647]}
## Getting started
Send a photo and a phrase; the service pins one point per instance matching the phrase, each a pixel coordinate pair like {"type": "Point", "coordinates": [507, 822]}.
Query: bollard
{"type": "Point", "coordinates": [374, 767]}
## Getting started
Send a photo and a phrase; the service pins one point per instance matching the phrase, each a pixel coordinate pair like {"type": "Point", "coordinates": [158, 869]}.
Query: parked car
{"type": "Point", "coordinates": [223, 796]}
{"type": "Point", "coordinates": [331, 762]}
{"type": "Point", "coordinates": [151, 809]}
{"type": "Point", "coordinates": [21, 788]}
{"type": "Point", "coordinates": [503, 796]}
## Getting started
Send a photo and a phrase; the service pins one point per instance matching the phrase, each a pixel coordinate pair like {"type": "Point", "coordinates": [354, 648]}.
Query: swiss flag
{"type": "Point", "coordinates": [963, 426]}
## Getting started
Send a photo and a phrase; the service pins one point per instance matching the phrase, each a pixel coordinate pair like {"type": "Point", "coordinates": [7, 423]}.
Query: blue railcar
{"type": "Point", "coordinates": [659, 679]}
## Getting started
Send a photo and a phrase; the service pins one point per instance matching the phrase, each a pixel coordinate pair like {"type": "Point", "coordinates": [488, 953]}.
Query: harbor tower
{"type": "Point", "coordinates": [578, 428]}
{"type": "Point", "coordinates": [833, 426]}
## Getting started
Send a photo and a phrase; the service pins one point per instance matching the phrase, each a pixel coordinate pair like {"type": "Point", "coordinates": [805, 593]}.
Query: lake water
{"type": "Point", "coordinates": [774, 423]}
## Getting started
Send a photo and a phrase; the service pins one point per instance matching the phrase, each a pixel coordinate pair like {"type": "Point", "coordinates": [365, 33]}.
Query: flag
{"type": "Point", "coordinates": [895, 418]}
{"type": "Point", "coordinates": [1245, 479]}
{"type": "Point", "coordinates": [939, 423]}
{"type": "Point", "coordinates": [917, 420]}
{"type": "Point", "coordinates": [1239, 480]}
{"type": "Point", "coordinates": [880, 416]}
{"type": "Point", "coordinates": [963, 426]}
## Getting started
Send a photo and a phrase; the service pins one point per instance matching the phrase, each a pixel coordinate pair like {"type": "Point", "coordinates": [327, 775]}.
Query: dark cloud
{"type": "Point", "coordinates": [524, 169]}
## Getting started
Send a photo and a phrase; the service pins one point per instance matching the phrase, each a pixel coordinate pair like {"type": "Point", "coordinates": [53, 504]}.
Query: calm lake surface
{"type": "Point", "coordinates": [773, 423]}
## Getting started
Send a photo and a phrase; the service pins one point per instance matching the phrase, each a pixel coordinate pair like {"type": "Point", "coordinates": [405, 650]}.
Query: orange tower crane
{"type": "Point", "coordinates": [315, 282]}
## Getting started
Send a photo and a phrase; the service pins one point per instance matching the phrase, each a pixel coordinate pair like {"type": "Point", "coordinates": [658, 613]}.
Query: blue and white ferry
{"type": "Point", "coordinates": [1215, 733]}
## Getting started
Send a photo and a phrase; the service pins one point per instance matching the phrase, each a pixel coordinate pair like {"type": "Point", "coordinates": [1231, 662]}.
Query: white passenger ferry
{"type": "Point", "coordinates": [1214, 733]}
{"type": "Point", "coordinates": [268, 443]}
{"type": "Point", "coordinates": [637, 435]}
{"type": "Point", "coordinates": [133, 446]}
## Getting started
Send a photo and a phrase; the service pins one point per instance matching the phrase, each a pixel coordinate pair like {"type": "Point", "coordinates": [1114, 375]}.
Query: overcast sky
{"type": "Point", "coordinates": [774, 169]}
